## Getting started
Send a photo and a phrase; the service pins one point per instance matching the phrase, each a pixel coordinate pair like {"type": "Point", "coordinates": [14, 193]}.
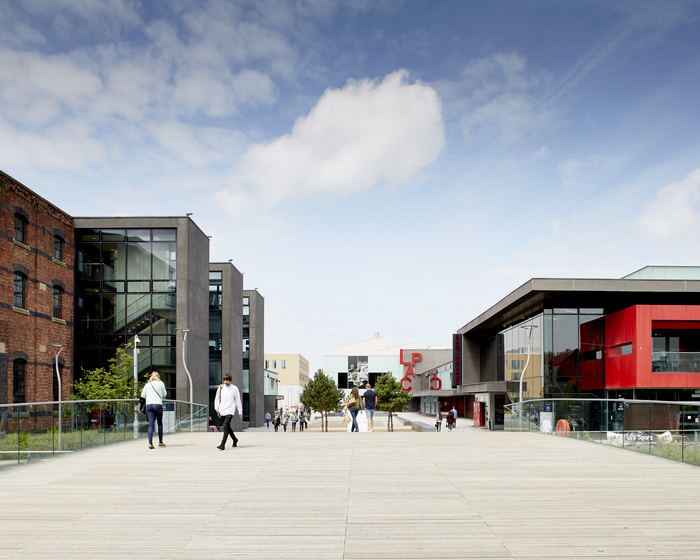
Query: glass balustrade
{"type": "Point", "coordinates": [32, 431]}
{"type": "Point", "coordinates": [662, 428]}
{"type": "Point", "coordinates": [670, 362]}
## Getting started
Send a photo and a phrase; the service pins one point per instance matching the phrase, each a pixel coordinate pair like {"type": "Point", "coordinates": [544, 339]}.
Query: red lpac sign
{"type": "Point", "coordinates": [409, 372]}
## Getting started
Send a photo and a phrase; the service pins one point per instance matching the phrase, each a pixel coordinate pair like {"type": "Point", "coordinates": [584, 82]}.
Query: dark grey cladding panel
{"type": "Point", "coordinates": [541, 289]}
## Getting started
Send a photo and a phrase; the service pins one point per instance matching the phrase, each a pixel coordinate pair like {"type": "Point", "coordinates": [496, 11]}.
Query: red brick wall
{"type": "Point", "coordinates": [31, 334]}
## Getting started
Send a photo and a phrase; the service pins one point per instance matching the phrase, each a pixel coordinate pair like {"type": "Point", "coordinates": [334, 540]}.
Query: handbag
{"type": "Point", "coordinates": [346, 417]}
{"type": "Point", "coordinates": [142, 405]}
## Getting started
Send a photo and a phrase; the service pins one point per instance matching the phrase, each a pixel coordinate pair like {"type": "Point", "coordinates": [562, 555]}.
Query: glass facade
{"type": "Point", "coordinates": [215, 337]}
{"type": "Point", "coordinates": [567, 354]}
{"type": "Point", "coordinates": [245, 392]}
{"type": "Point", "coordinates": [126, 286]}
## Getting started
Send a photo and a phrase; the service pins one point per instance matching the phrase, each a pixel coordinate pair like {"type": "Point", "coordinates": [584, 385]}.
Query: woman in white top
{"type": "Point", "coordinates": [154, 392]}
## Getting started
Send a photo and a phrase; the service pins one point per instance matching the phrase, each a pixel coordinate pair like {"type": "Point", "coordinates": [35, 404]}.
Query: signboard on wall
{"type": "Point", "coordinates": [456, 360]}
{"type": "Point", "coordinates": [408, 369]}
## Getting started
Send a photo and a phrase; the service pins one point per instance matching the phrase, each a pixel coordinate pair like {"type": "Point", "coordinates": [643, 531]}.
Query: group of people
{"type": "Point", "coordinates": [226, 403]}
{"type": "Point", "coordinates": [451, 419]}
{"type": "Point", "coordinates": [366, 403]}
{"type": "Point", "coordinates": [284, 417]}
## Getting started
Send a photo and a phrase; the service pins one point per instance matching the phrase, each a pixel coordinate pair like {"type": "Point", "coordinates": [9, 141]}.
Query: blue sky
{"type": "Point", "coordinates": [389, 166]}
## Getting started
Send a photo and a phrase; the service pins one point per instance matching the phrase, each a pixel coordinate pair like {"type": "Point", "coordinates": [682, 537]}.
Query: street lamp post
{"type": "Point", "coordinates": [136, 384]}
{"type": "Point", "coordinates": [60, 392]}
{"type": "Point", "coordinates": [187, 371]}
{"type": "Point", "coordinates": [528, 328]}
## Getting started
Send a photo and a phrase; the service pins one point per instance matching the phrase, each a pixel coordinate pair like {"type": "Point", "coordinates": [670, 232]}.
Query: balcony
{"type": "Point", "coordinates": [674, 362]}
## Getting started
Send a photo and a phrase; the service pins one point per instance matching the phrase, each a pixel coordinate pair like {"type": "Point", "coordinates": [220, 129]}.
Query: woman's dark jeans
{"type": "Point", "coordinates": [353, 413]}
{"type": "Point", "coordinates": [155, 412]}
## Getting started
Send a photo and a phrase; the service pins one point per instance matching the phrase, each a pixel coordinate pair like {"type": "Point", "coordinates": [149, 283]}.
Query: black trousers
{"type": "Point", "coordinates": [228, 430]}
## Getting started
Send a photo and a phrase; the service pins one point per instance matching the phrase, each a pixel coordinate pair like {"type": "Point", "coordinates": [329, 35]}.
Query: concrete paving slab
{"type": "Point", "coordinates": [468, 494]}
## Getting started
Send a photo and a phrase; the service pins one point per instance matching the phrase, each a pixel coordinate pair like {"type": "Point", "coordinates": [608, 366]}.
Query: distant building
{"type": "Point", "coordinates": [293, 375]}
{"type": "Point", "coordinates": [364, 361]}
{"type": "Point", "coordinates": [271, 392]}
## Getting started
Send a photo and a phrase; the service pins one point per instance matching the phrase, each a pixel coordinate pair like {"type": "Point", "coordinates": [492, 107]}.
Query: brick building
{"type": "Point", "coordinates": [36, 295]}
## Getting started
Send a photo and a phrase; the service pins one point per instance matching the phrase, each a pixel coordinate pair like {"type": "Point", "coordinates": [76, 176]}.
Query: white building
{"type": "Point", "coordinates": [365, 361]}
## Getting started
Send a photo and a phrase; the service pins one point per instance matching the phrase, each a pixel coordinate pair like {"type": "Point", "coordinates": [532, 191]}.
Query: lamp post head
{"type": "Point", "coordinates": [137, 340]}
{"type": "Point", "coordinates": [56, 345]}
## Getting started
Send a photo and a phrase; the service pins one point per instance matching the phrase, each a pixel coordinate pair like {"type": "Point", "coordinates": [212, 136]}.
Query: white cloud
{"type": "Point", "coordinates": [366, 133]}
{"type": "Point", "coordinates": [500, 104]}
{"type": "Point", "coordinates": [37, 88]}
{"type": "Point", "coordinates": [675, 210]}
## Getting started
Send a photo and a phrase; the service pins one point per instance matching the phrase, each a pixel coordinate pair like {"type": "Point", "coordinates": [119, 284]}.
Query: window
{"type": "Point", "coordinates": [284, 364]}
{"type": "Point", "coordinates": [267, 364]}
{"type": "Point", "coordinates": [57, 302]}
{"type": "Point", "coordinates": [57, 248]}
{"type": "Point", "coordinates": [20, 228]}
{"type": "Point", "coordinates": [274, 364]}
{"type": "Point", "coordinates": [20, 290]}
{"type": "Point", "coordinates": [18, 381]}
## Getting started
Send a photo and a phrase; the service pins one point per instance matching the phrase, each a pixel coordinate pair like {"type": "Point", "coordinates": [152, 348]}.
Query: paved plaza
{"type": "Point", "coordinates": [313, 495]}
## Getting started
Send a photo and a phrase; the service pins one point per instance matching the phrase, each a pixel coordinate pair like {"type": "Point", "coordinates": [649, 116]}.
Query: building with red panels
{"type": "Point", "coordinates": [36, 296]}
{"type": "Point", "coordinates": [637, 337]}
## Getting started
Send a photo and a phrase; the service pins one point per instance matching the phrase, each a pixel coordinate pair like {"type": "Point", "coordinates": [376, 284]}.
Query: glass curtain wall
{"type": "Point", "coordinates": [215, 337]}
{"type": "Point", "coordinates": [245, 393]}
{"type": "Point", "coordinates": [515, 356]}
{"type": "Point", "coordinates": [574, 352]}
{"type": "Point", "coordinates": [567, 354]}
{"type": "Point", "coordinates": [126, 286]}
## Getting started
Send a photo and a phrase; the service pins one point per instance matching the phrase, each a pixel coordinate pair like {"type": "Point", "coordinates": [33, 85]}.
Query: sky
{"type": "Point", "coordinates": [370, 166]}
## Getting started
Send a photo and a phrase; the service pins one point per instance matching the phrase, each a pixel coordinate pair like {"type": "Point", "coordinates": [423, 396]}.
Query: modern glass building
{"type": "Point", "coordinates": [235, 341]}
{"type": "Point", "coordinates": [140, 280]}
{"type": "Point", "coordinates": [635, 337]}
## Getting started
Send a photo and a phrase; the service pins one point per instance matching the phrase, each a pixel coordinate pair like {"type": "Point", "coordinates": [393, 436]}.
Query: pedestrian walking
{"type": "Point", "coordinates": [369, 399]}
{"type": "Point", "coordinates": [294, 419]}
{"type": "Point", "coordinates": [154, 392]}
{"type": "Point", "coordinates": [226, 401]}
{"type": "Point", "coordinates": [438, 421]}
{"type": "Point", "coordinates": [276, 421]}
{"type": "Point", "coordinates": [267, 419]}
{"type": "Point", "coordinates": [354, 405]}
{"type": "Point", "coordinates": [285, 420]}
{"type": "Point", "coordinates": [454, 416]}
{"type": "Point", "coordinates": [450, 420]}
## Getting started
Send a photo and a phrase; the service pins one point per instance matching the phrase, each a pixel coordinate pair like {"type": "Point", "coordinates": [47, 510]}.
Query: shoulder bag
{"type": "Point", "coordinates": [142, 403]}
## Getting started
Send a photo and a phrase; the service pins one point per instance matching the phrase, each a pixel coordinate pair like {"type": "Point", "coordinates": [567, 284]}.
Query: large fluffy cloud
{"type": "Point", "coordinates": [364, 134]}
{"type": "Point", "coordinates": [674, 211]}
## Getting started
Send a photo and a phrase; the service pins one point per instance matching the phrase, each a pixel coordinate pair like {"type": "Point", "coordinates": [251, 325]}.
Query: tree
{"type": "Point", "coordinates": [321, 394]}
{"type": "Point", "coordinates": [391, 397]}
{"type": "Point", "coordinates": [115, 382]}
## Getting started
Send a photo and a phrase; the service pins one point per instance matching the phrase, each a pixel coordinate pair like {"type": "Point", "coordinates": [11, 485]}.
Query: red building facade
{"type": "Point", "coordinates": [36, 295]}
{"type": "Point", "coordinates": [653, 347]}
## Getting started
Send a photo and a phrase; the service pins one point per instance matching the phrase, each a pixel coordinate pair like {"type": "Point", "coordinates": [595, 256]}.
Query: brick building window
{"type": "Point", "coordinates": [20, 291]}
{"type": "Point", "coordinates": [20, 228]}
{"type": "Point", "coordinates": [57, 302]}
{"type": "Point", "coordinates": [18, 381]}
{"type": "Point", "coordinates": [58, 248]}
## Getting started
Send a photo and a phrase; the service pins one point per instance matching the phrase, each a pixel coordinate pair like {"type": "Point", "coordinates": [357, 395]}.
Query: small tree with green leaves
{"type": "Point", "coordinates": [115, 382]}
{"type": "Point", "coordinates": [321, 394]}
{"type": "Point", "coordinates": [391, 397]}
